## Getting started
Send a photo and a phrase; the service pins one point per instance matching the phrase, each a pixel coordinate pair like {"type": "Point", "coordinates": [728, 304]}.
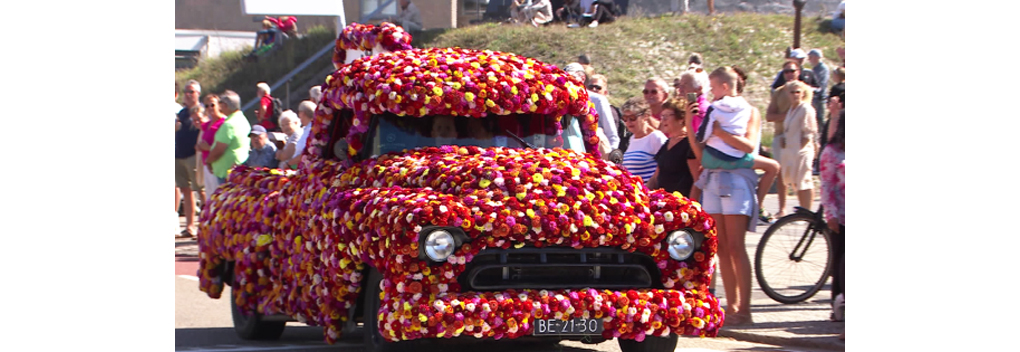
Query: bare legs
{"type": "Point", "coordinates": [781, 194]}
{"type": "Point", "coordinates": [735, 266]}
{"type": "Point", "coordinates": [805, 197]}
{"type": "Point", "coordinates": [189, 208]}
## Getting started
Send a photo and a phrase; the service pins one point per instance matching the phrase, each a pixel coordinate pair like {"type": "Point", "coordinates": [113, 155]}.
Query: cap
{"type": "Point", "coordinates": [797, 54]}
{"type": "Point", "coordinates": [258, 129]}
{"type": "Point", "coordinates": [815, 52]}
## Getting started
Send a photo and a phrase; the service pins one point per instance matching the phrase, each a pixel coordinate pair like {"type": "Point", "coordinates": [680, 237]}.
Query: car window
{"type": "Point", "coordinates": [392, 133]}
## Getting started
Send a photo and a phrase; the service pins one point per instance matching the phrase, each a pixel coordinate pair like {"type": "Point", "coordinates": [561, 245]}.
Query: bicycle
{"type": "Point", "coordinates": [794, 257]}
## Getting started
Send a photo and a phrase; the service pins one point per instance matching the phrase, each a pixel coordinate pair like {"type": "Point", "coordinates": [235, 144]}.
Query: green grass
{"type": "Point", "coordinates": [628, 51]}
{"type": "Point", "coordinates": [230, 71]}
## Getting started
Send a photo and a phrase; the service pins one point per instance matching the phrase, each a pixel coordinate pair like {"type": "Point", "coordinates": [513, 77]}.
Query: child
{"type": "Point", "coordinates": [724, 127]}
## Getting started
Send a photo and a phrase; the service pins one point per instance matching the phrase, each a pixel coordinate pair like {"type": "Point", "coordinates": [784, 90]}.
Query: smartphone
{"type": "Point", "coordinates": [692, 97]}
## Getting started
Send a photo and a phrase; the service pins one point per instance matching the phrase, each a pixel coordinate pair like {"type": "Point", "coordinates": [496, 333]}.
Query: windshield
{"type": "Point", "coordinates": [392, 133]}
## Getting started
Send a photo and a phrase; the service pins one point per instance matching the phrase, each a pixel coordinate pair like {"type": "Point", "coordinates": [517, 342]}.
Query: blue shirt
{"type": "Point", "coordinates": [187, 137]}
{"type": "Point", "coordinates": [265, 157]}
{"type": "Point", "coordinates": [640, 156]}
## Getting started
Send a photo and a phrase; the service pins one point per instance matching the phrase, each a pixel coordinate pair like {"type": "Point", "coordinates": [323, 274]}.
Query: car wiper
{"type": "Point", "coordinates": [519, 140]}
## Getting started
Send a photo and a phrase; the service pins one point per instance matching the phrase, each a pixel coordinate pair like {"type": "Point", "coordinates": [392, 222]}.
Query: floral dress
{"type": "Point", "coordinates": [833, 176]}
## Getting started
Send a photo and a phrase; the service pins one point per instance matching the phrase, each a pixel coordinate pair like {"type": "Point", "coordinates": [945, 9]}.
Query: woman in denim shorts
{"type": "Point", "coordinates": [729, 197]}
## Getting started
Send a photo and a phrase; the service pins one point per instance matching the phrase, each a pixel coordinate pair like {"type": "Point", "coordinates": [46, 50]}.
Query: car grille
{"type": "Point", "coordinates": [559, 268]}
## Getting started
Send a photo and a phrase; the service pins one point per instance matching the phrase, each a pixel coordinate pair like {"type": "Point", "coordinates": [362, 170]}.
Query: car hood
{"type": "Point", "coordinates": [537, 196]}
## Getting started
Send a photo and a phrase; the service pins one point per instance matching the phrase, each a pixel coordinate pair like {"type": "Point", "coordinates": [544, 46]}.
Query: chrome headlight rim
{"type": "Point", "coordinates": [693, 240]}
{"type": "Point", "coordinates": [426, 252]}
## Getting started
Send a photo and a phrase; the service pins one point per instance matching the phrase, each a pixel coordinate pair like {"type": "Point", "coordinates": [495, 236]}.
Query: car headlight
{"type": "Point", "coordinates": [439, 245]}
{"type": "Point", "coordinates": [681, 245]}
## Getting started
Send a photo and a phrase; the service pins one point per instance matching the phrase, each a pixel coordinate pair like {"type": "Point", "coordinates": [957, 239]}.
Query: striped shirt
{"type": "Point", "coordinates": [640, 156]}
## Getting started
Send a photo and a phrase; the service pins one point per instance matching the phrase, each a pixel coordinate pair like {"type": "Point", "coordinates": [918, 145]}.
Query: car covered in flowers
{"type": "Point", "coordinates": [450, 193]}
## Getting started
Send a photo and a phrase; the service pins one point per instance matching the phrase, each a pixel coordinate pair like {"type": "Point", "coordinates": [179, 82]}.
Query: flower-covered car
{"type": "Point", "coordinates": [448, 193]}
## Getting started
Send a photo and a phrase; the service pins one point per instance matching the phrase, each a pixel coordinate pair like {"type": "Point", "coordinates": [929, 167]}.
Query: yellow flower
{"type": "Point", "coordinates": [537, 178]}
{"type": "Point", "coordinates": [484, 183]}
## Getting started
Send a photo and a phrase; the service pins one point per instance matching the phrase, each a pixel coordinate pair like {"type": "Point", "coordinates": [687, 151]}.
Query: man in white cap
{"type": "Point", "coordinates": [806, 76]}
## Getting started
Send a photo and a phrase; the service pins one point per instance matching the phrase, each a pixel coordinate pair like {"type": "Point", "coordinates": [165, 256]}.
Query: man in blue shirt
{"type": "Point", "coordinates": [263, 153]}
{"type": "Point", "coordinates": [184, 154]}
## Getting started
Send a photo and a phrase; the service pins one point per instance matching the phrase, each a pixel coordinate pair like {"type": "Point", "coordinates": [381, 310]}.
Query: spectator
{"type": "Point", "coordinates": [601, 107]}
{"type": "Point", "coordinates": [570, 12]}
{"type": "Point", "coordinates": [797, 56]}
{"type": "Point", "coordinates": [600, 84]}
{"type": "Point", "coordinates": [262, 152]}
{"type": "Point", "coordinates": [585, 10]}
{"type": "Point", "coordinates": [534, 12]}
{"type": "Point", "coordinates": [776, 113]}
{"type": "Point", "coordinates": [603, 12]}
{"type": "Point", "coordinates": [185, 140]}
{"type": "Point", "coordinates": [675, 161]}
{"type": "Point", "coordinates": [286, 24]}
{"type": "Point", "coordinates": [410, 17]}
{"type": "Point", "coordinates": [199, 119]}
{"type": "Point", "coordinates": [821, 72]}
{"type": "Point", "coordinates": [729, 198]}
{"type": "Point", "coordinates": [585, 62]}
{"type": "Point", "coordinates": [839, 76]}
{"type": "Point", "coordinates": [291, 127]}
{"type": "Point", "coordinates": [694, 81]}
{"type": "Point", "coordinates": [231, 145]}
{"type": "Point", "coordinates": [645, 141]}
{"type": "Point", "coordinates": [315, 94]}
{"type": "Point", "coordinates": [724, 128]}
{"type": "Point", "coordinates": [797, 145]}
{"type": "Point", "coordinates": [833, 177]}
{"type": "Point", "coordinates": [306, 112]}
{"type": "Point", "coordinates": [264, 110]}
{"type": "Point", "coordinates": [177, 191]}
{"type": "Point", "coordinates": [206, 139]}
{"type": "Point", "coordinates": [265, 40]}
{"type": "Point", "coordinates": [839, 18]}
{"type": "Point", "coordinates": [656, 92]}
{"type": "Point", "coordinates": [836, 105]}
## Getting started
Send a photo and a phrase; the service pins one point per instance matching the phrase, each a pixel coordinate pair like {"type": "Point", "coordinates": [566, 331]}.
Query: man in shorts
{"type": "Point", "coordinates": [185, 139]}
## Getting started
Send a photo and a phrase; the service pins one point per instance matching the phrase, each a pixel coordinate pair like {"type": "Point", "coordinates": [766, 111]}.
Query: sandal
{"type": "Point", "coordinates": [186, 234]}
{"type": "Point", "coordinates": [737, 319]}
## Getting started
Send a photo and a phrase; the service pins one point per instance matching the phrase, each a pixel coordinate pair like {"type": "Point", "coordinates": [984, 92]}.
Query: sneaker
{"type": "Point", "coordinates": [593, 24]}
{"type": "Point", "coordinates": [573, 25]}
{"type": "Point", "coordinates": [838, 308]}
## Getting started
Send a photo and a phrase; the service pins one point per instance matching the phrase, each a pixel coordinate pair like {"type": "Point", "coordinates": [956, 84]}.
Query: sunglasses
{"type": "Point", "coordinates": [789, 71]}
{"type": "Point", "coordinates": [595, 87]}
{"type": "Point", "coordinates": [796, 92]}
{"type": "Point", "coordinates": [653, 91]}
{"type": "Point", "coordinates": [209, 105]}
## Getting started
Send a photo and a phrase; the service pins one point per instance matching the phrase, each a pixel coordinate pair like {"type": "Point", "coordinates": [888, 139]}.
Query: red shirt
{"type": "Point", "coordinates": [286, 25]}
{"type": "Point", "coordinates": [267, 111]}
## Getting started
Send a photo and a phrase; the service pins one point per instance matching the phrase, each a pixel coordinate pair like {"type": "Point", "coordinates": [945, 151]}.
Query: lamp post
{"type": "Point", "coordinates": [799, 6]}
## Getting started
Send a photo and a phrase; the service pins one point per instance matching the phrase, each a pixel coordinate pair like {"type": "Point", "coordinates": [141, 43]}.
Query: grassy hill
{"type": "Point", "coordinates": [628, 51]}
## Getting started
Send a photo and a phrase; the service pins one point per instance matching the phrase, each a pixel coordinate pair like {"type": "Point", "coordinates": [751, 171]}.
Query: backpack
{"type": "Point", "coordinates": [277, 111]}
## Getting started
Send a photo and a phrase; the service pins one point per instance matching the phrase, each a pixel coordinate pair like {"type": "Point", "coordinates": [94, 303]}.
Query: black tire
{"type": "Point", "coordinates": [787, 280]}
{"type": "Point", "coordinates": [251, 327]}
{"type": "Point", "coordinates": [374, 341]}
{"type": "Point", "coordinates": [650, 344]}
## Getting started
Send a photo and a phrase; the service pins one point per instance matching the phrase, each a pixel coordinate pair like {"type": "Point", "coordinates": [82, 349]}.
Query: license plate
{"type": "Point", "coordinates": [579, 326]}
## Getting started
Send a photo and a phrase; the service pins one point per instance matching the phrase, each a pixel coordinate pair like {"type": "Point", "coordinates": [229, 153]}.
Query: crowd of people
{"type": "Point", "coordinates": [212, 135]}
{"type": "Point", "coordinates": [703, 139]}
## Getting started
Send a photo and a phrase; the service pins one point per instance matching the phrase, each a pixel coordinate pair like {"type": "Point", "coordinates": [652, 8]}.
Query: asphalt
{"type": "Point", "coordinates": [804, 325]}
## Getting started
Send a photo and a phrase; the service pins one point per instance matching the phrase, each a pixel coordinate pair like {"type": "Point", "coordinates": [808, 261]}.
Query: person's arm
{"type": "Point", "coordinates": [833, 120]}
{"type": "Point", "coordinates": [606, 122]}
{"type": "Point", "coordinates": [696, 147]}
{"type": "Point", "coordinates": [219, 147]}
{"type": "Point", "coordinates": [773, 113]}
{"type": "Point", "coordinates": [823, 81]}
{"type": "Point", "coordinates": [653, 183]}
{"type": "Point", "coordinates": [274, 21]}
{"type": "Point", "coordinates": [809, 129]}
{"type": "Point", "coordinates": [286, 153]}
{"type": "Point", "coordinates": [827, 176]}
{"type": "Point", "coordinates": [742, 143]}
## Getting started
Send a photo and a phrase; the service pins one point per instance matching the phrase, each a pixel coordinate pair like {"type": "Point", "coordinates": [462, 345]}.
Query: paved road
{"type": "Point", "coordinates": [204, 324]}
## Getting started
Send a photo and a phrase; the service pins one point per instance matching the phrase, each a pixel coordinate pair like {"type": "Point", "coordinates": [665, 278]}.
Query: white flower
{"type": "Point", "coordinates": [659, 228]}
{"type": "Point", "coordinates": [668, 216]}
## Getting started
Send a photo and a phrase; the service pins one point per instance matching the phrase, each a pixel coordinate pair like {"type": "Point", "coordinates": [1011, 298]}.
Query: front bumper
{"type": "Point", "coordinates": [626, 314]}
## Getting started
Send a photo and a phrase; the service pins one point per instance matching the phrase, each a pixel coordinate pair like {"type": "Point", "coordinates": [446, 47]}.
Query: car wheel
{"type": "Point", "coordinates": [251, 327]}
{"type": "Point", "coordinates": [650, 344]}
{"type": "Point", "coordinates": [374, 341]}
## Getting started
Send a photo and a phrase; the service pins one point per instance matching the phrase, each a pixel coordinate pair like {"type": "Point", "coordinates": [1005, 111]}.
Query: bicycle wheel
{"type": "Point", "coordinates": [793, 259]}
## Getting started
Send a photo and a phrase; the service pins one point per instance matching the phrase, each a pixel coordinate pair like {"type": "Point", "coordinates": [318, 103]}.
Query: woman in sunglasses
{"type": "Point", "coordinates": [645, 141]}
{"type": "Point", "coordinates": [214, 118]}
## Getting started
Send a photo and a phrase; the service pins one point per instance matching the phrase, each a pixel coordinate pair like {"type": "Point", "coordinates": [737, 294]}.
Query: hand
{"type": "Point", "coordinates": [833, 224]}
{"type": "Point", "coordinates": [693, 109]}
